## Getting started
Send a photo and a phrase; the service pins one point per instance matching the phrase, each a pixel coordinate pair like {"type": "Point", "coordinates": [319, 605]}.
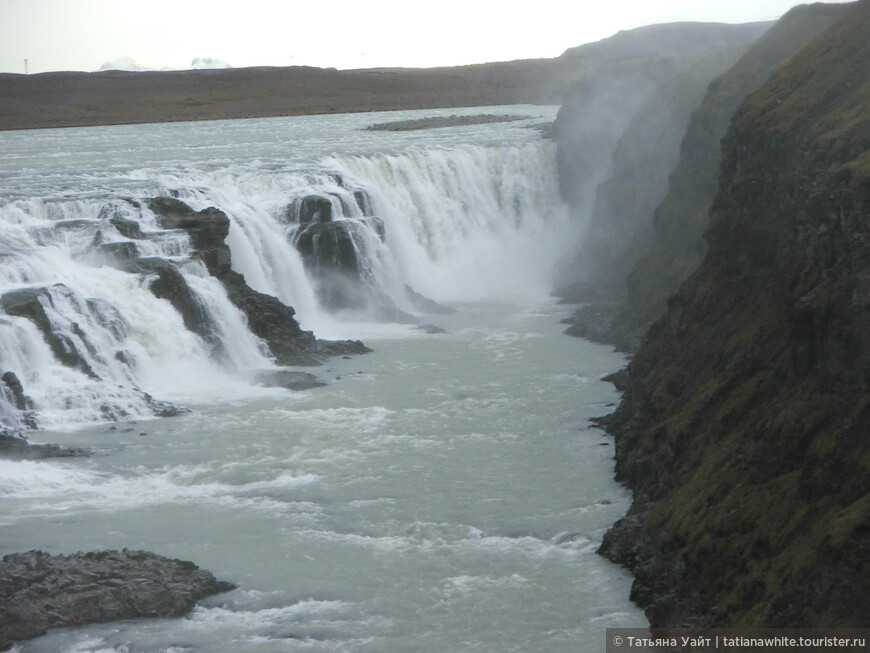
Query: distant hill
{"type": "Point", "coordinates": [65, 99]}
{"type": "Point", "coordinates": [670, 39]}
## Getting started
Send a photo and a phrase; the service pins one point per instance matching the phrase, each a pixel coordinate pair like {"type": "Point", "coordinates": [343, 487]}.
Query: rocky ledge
{"type": "Point", "coordinates": [39, 591]}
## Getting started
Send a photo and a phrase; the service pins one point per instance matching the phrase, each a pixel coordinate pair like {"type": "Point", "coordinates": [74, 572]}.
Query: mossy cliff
{"type": "Point", "coordinates": [743, 432]}
{"type": "Point", "coordinates": [644, 151]}
{"type": "Point", "coordinates": [680, 220]}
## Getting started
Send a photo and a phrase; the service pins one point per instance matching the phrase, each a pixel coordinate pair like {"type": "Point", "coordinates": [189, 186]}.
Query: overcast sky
{"type": "Point", "coordinates": [84, 34]}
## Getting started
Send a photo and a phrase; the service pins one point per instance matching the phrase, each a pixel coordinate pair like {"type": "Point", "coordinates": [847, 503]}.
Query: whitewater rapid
{"type": "Point", "coordinates": [463, 215]}
{"type": "Point", "coordinates": [446, 492]}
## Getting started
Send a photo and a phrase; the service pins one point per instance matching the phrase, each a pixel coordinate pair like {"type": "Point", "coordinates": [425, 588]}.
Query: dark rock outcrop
{"type": "Point", "coordinates": [28, 303]}
{"type": "Point", "coordinates": [268, 318]}
{"type": "Point", "coordinates": [12, 382]}
{"type": "Point", "coordinates": [127, 228]}
{"type": "Point", "coordinates": [311, 208]}
{"type": "Point", "coordinates": [330, 348]}
{"type": "Point", "coordinates": [207, 229]}
{"type": "Point", "coordinates": [338, 255]}
{"type": "Point", "coordinates": [39, 591]}
{"type": "Point", "coordinates": [14, 446]}
{"type": "Point", "coordinates": [289, 379]}
{"type": "Point", "coordinates": [435, 122]}
{"type": "Point", "coordinates": [328, 246]}
{"type": "Point", "coordinates": [743, 429]}
{"type": "Point", "coordinates": [19, 402]}
{"type": "Point", "coordinates": [171, 286]}
{"type": "Point", "coordinates": [273, 321]}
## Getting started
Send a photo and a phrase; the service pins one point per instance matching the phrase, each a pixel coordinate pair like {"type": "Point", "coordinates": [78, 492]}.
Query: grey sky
{"type": "Point", "coordinates": [84, 34]}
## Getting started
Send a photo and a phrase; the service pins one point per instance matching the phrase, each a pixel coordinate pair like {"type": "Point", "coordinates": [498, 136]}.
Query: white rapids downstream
{"type": "Point", "coordinates": [445, 492]}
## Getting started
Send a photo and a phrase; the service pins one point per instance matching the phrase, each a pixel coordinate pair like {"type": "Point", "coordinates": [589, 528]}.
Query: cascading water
{"type": "Point", "coordinates": [443, 493]}
{"type": "Point", "coordinates": [351, 237]}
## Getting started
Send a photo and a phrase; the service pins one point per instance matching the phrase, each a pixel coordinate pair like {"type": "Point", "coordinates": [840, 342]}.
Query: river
{"type": "Point", "coordinates": [445, 492]}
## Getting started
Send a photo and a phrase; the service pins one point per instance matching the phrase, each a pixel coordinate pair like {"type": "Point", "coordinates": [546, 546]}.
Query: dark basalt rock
{"type": "Point", "coordinates": [122, 252]}
{"type": "Point", "coordinates": [332, 253]}
{"type": "Point", "coordinates": [268, 318]}
{"type": "Point", "coordinates": [310, 209]}
{"type": "Point", "coordinates": [330, 348]}
{"type": "Point", "coordinates": [39, 591]}
{"type": "Point", "coordinates": [364, 202]}
{"type": "Point", "coordinates": [289, 379]}
{"type": "Point", "coordinates": [329, 246]}
{"type": "Point", "coordinates": [14, 390]}
{"type": "Point", "coordinates": [273, 321]}
{"type": "Point", "coordinates": [14, 446]}
{"type": "Point", "coordinates": [743, 429]}
{"type": "Point", "coordinates": [434, 122]}
{"type": "Point", "coordinates": [127, 228]}
{"type": "Point", "coordinates": [207, 229]}
{"type": "Point", "coordinates": [160, 408]}
{"type": "Point", "coordinates": [27, 303]}
{"type": "Point", "coordinates": [171, 286]}
{"type": "Point", "coordinates": [22, 401]}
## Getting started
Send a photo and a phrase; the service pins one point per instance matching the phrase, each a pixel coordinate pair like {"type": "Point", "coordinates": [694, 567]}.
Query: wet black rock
{"type": "Point", "coordinates": [171, 286]}
{"type": "Point", "coordinates": [14, 446]}
{"type": "Point", "coordinates": [207, 229]}
{"type": "Point", "coordinates": [22, 401]}
{"type": "Point", "coordinates": [330, 348]}
{"type": "Point", "coordinates": [329, 246]}
{"type": "Point", "coordinates": [289, 379]}
{"type": "Point", "coordinates": [13, 390]}
{"type": "Point", "coordinates": [268, 318]}
{"type": "Point", "coordinates": [121, 252]}
{"type": "Point", "coordinates": [273, 321]}
{"type": "Point", "coordinates": [39, 591]}
{"type": "Point", "coordinates": [127, 228]}
{"type": "Point", "coordinates": [28, 303]}
{"type": "Point", "coordinates": [311, 208]}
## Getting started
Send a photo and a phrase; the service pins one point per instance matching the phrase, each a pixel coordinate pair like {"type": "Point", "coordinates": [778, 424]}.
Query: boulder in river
{"type": "Point", "coordinates": [289, 379]}
{"type": "Point", "coordinates": [14, 446]}
{"type": "Point", "coordinates": [39, 591]}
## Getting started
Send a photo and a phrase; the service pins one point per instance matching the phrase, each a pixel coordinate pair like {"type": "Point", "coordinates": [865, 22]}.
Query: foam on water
{"type": "Point", "coordinates": [443, 493]}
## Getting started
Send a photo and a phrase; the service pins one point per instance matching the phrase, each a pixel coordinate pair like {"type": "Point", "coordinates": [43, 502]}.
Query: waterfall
{"type": "Point", "coordinates": [345, 238]}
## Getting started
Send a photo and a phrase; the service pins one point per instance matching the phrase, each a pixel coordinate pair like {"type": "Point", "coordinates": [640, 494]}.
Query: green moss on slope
{"type": "Point", "coordinates": [744, 429]}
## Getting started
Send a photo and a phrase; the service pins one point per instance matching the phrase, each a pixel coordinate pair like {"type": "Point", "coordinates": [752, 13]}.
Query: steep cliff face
{"type": "Point", "coordinates": [743, 432]}
{"type": "Point", "coordinates": [615, 77]}
{"type": "Point", "coordinates": [678, 245]}
{"type": "Point", "coordinates": [646, 150]}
